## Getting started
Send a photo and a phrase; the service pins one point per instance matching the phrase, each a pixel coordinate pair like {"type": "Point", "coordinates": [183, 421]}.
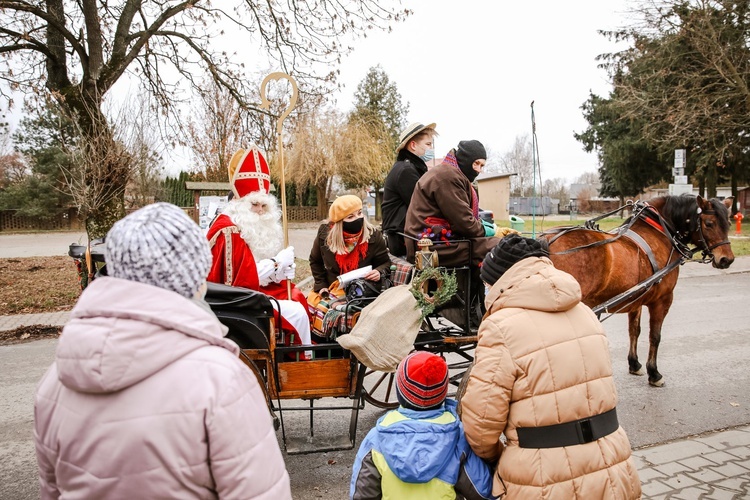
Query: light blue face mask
{"type": "Point", "coordinates": [487, 289]}
{"type": "Point", "coordinates": [429, 154]}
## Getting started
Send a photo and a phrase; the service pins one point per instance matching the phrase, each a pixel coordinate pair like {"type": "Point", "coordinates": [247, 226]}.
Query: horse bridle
{"type": "Point", "coordinates": [706, 250]}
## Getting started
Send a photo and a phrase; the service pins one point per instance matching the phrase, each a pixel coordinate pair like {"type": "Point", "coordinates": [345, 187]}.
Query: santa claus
{"type": "Point", "coordinates": [246, 243]}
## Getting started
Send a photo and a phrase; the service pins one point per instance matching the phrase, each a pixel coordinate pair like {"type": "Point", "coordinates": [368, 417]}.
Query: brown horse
{"type": "Point", "coordinates": [638, 263]}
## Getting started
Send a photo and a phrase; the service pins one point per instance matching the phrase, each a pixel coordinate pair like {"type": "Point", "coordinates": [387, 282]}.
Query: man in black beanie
{"type": "Point", "coordinates": [542, 372]}
{"type": "Point", "coordinates": [471, 157]}
{"type": "Point", "coordinates": [445, 206]}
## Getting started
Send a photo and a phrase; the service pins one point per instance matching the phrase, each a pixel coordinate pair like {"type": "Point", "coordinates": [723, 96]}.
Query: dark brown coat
{"type": "Point", "coordinates": [323, 263]}
{"type": "Point", "coordinates": [445, 192]}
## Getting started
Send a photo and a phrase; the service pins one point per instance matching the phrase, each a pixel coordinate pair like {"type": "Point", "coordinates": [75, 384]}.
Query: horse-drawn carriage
{"type": "Point", "coordinates": [643, 255]}
{"type": "Point", "coordinates": [639, 261]}
{"type": "Point", "coordinates": [287, 375]}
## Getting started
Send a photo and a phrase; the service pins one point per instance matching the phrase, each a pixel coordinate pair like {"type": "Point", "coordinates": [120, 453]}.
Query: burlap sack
{"type": "Point", "coordinates": [386, 330]}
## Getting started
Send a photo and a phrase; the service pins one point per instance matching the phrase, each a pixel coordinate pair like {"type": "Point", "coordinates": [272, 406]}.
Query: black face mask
{"type": "Point", "coordinates": [353, 227]}
{"type": "Point", "coordinates": [469, 172]}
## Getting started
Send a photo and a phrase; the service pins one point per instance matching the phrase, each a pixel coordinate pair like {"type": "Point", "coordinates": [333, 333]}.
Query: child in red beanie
{"type": "Point", "coordinates": [418, 450]}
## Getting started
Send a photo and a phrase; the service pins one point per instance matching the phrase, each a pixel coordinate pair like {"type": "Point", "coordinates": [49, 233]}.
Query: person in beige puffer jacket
{"type": "Point", "coordinates": [146, 398]}
{"type": "Point", "coordinates": [543, 377]}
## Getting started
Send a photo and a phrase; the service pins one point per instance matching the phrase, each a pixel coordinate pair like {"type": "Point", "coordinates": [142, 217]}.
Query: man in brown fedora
{"type": "Point", "coordinates": [416, 148]}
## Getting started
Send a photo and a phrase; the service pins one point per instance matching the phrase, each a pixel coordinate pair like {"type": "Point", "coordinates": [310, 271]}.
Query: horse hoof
{"type": "Point", "coordinates": [638, 372]}
{"type": "Point", "coordinates": [657, 383]}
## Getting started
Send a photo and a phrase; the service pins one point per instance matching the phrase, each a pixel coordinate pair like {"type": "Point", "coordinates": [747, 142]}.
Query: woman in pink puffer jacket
{"type": "Point", "coordinates": [146, 399]}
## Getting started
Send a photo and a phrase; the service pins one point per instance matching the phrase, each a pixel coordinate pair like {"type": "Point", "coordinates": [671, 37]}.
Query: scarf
{"type": "Point", "coordinates": [355, 251]}
{"type": "Point", "coordinates": [450, 159]}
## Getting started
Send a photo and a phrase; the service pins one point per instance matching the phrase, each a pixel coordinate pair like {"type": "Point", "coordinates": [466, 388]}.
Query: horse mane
{"type": "Point", "coordinates": [681, 210]}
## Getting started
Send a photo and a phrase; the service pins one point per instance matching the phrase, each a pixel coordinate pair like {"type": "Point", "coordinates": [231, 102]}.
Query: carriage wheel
{"type": "Point", "coordinates": [379, 389]}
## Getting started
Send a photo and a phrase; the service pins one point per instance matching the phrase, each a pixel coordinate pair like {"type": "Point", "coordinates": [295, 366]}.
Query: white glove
{"type": "Point", "coordinates": [266, 270]}
{"type": "Point", "coordinates": [286, 273]}
{"type": "Point", "coordinates": [289, 272]}
{"type": "Point", "coordinates": [285, 258]}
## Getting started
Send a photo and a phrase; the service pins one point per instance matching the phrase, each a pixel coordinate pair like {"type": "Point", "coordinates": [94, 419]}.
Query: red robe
{"type": "Point", "coordinates": [234, 264]}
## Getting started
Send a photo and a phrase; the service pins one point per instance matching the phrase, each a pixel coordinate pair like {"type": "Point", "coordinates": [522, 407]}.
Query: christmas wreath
{"type": "Point", "coordinates": [447, 285]}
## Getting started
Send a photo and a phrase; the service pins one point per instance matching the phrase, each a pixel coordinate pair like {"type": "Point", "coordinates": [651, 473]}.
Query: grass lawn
{"type": "Point", "coordinates": [739, 246]}
{"type": "Point", "coordinates": [32, 285]}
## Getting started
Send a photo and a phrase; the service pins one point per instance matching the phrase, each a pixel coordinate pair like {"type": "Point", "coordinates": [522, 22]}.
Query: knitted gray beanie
{"type": "Point", "coordinates": [159, 245]}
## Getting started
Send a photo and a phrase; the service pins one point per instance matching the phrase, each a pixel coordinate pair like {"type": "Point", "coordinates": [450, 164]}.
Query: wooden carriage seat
{"type": "Point", "coordinates": [247, 314]}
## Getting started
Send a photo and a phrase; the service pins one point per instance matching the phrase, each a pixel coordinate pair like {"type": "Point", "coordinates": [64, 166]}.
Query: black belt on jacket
{"type": "Point", "coordinates": [580, 431]}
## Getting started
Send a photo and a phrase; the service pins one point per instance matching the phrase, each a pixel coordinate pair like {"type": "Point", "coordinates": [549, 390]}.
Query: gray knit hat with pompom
{"type": "Point", "coordinates": [159, 245]}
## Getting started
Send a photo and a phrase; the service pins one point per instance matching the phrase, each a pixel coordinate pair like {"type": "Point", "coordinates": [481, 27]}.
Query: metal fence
{"type": "Point", "coordinates": [68, 221]}
{"type": "Point", "coordinates": [527, 205]}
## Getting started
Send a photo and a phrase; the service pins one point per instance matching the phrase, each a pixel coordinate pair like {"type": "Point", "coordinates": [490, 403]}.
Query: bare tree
{"type": "Point", "coordinates": [590, 178]}
{"type": "Point", "coordinates": [12, 169]}
{"type": "Point", "coordinates": [215, 133]}
{"type": "Point", "coordinates": [77, 51]}
{"type": "Point", "coordinates": [584, 200]}
{"type": "Point", "coordinates": [556, 188]}
{"type": "Point", "coordinates": [140, 138]}
{"type": "Point", "coordinates": [519, 160]}
{"type": "Point", "coordinates": [90, 182]}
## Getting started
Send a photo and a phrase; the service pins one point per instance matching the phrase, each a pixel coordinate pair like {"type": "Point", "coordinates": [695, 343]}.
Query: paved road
{"type": "Point", "coordinates": [301, 236]}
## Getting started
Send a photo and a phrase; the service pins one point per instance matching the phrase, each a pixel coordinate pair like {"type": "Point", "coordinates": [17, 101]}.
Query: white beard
{"type": "Point", "coordinates": [262, 233]}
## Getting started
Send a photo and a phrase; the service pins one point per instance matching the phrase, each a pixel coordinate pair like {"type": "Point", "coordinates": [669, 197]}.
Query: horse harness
{"type": "Point", "coordinates": [706, 253]}
{"type": "Point", "coordinates": [653, 218]}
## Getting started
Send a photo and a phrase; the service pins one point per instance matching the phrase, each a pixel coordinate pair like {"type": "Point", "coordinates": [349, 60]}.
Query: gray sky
{"type": "Point", "coordinates": [474, 66]}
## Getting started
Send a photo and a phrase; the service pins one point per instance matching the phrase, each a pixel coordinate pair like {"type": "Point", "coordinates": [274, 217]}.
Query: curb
{"type": "Point", "coordinates": [48, 319]}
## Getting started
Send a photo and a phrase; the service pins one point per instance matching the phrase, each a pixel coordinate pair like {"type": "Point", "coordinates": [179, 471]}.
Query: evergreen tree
{"type": "Point", "coordinates": [44, 138]}
{"type": "Point", "coordinates": [627, 164]}
{"type": "Point", "coordinates": [371, 133]}
{"type": "Point", "coordinates": [377, 103]}
{"type": "Point", "coordinates": [175, 191]}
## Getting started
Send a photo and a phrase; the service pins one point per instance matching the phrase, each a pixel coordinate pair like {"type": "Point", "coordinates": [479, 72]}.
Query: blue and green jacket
{"type": "Point", "coordinates": [417, 455]}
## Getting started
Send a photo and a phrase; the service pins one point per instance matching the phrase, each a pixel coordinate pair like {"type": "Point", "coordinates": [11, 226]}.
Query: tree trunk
{"type": "Point", "coordinates": [106, 167]}
{"type": "Point", "coordinates": [378, 202]}
{"type": "Point", "coordinates": [711, 175]}
{"type": "Point", "coordinates": [102, 166]}
{"type": "Point", "coordinates": [320, 191]}
{"type": "Point", "coordinates": [99, 223]}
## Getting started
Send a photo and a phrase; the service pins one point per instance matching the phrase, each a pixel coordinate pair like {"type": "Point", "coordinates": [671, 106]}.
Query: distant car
{"type": "Point", "coordinates": [487, 215]}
